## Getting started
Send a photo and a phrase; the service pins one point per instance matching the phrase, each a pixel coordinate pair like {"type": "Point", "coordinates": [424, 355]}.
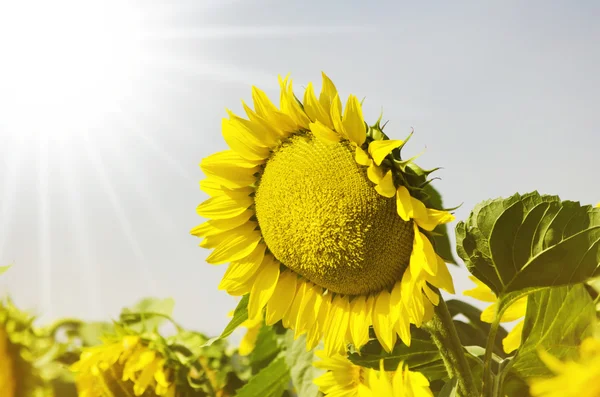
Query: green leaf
{"type": "Point", "coordinates": [149, 313]}
{"type": "Point", "coordinates": [4, 268]}
{"type": "Point", "coordinates": [300, 362]}
{"type": "Point", "coordinates": [272, 381]}
{"type": "Point", "coordinates": [422, 355]}
{"type": "Point", "coordinates": [239, 316]}
{"type": "Point", "coordinates": [557, 320]}
{"type": "Point", "coordinates": [475, 332]}
{"type": "Point", "coordinates": [267, 347]}
{"type": "Point", "coordinates": [530, 240]}
{"type": "Point", "coordinates": [90, 333]}
{"type": "Point", "coordinates": [450, 389]}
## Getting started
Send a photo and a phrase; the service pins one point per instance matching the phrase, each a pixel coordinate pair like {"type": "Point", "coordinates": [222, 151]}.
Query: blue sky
{"type": "Point", "coordinates": [502, 94]}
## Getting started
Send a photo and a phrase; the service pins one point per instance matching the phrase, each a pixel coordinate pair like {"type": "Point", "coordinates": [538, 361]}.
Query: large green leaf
{"type": "Point", "coordinates": [268, 345]}
{"type": "Point", "coordinates": [272, 381]}
{"type": "Point", "coordinates": [239, 316]}
{"type": "Point", "coordinates": [422, 355]}
{"type": "Point", "coordinates": [557, 320]}
{"type": "Point", "coordinates": [530, 240]}
{"type": "Point", "coordinates": [301, 369]}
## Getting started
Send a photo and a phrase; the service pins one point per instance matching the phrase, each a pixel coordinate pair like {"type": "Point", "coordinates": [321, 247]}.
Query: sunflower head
{"type": "Point", "coordinates": [342, 378]}
{"type": "Point", "coordinates": [324, 223]}
{"type": "Point", "coordinates": [19, 375]}
{"type": "Point", "coordinates": [145, 365]}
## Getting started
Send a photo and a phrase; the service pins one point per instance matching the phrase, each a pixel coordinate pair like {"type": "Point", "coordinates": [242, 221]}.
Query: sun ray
{"type": "Point", "coordinates": [250, 32]}
{"type": "Point", "coordinates": [81, 230]}
{"type": "Point", "coordinates": [13, 160]}
{"type": "Point", "coordinates": [45, 257]}
{"type": "Point", "coordinates": [145, 274]}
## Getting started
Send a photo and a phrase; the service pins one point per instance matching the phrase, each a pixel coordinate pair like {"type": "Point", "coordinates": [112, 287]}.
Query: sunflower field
{"type": "Point", "coordinates": [336, 243]}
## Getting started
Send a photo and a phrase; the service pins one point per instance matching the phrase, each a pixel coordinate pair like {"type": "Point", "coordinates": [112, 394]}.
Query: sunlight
{"type": "Point", "coordinates": [66, 62]}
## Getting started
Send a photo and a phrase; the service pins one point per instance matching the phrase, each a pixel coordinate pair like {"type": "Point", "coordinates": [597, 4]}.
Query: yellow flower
{"type": "Point", "coordinates": [19, 377]}
{"type": "Point", "coordinates": [128, 366]}
{"type": "Point", "coordinates": [348, 380]}
{"type": "Point", "coordinates": [572, 379]}
{"type": "Point", "coordinates": [517, 310]}
{"type": "Point", "coordinates": [248, 342]}
{"type": "Point", "coordinates": [320, 222]}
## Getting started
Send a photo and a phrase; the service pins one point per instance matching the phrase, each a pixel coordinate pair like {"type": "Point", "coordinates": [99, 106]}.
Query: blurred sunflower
{"type": "Point", "coordinates": [19, 376]}
{"type": "Point", "coordinates": [348, 380]}
{"type": "Point", "coordinates": [136, 366]}
{"type": "Point", "coordinates": [514, 312]}
{"type": "Point", "coordinates": [572, 379]}
{"type": "Point", "coordinates": [323, 223]}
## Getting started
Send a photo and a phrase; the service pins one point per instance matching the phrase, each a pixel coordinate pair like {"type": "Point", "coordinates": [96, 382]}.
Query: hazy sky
{"type": "Point", "coordinates": [96, 208]}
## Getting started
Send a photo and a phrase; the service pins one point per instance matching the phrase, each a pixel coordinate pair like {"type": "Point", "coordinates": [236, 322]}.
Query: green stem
{"type": "Point", "coordinates": [444, 335]}
{"type": "Point", "coordinates": [488, 382]}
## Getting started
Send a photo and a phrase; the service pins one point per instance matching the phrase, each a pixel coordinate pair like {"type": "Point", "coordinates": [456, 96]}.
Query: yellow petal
{"type": "Point", "coordinates": [241, 141]}
{"type": "Point", "coordinates": [380, 149]}
{"type": "Point", "coordinates": [386, 186]}
{"type": "Point", "coordinates": [375, 173]}
{"type": "Point", "coordinates": [262, 135]}
{"type": "Point", "coordinates": [512, 341]}
{"type": "Point", "coordinates": [309, 310]}
{"type": "Point", "coordinates": [481, 291]}
{"type": "Point", "coordinates": [354, 123]}
{"type": "Point", "coordinates": [248, 342]}
{"type": "Point", "coordinates": [381, 321]}
{"type": "Point", "coordinates": [324, 133]}
{"type": "Point", "coordinates": [423, 256]}
{"type": "Point", "coordinates": [265, 108]}
{"type": "Point", "coordinates": [515, 311]}
{"type": "Point", "coordinates": [284, 296]}
{"type": "Point", "coordinates": [217, 226]}
{"type": "Point", "coordinates": [396, 301]}
{"type": "Point", "coordinates": [328, 94]}
{"type": "Point", "coordinates": [264, 286]}
{"type": "Point", "coordinates": [227, 158]}
{"type": "Point", "coordinates": [402, 326]}
{"type": "Point", "coordinates": [272, 134]}
{"type": "Point", "coordinates": [359, 326]}
{"type": "Point", "coordinates": [242, 270]}
{"type": "Point", "coordinates": [361, 157]}
{"type": "Point", "coordinates": [314, 335]}
{"type": "Point", "coordinates": [291, 106]}
{"type": "Point", "coordinates": [335, 331]}
{"type": "Point", "coordinates": [442, 278]}
{"type": "Point", "coordinates": [290, 318]}
{"type": "Point", "coordinates": [404, 203]}
{"type": "Point", "coordinates": [313, 107]}
{"type": "Point", "coordinates": [489, 314]}
{"type": "Point", "coordinates": [224, 207]}
{"type": "Point", "coordinates": [240, 245]}
{"type": "Point", "coordinates": [336, 116]}
{"type": "Point", "coordinates": [433, 297]}
{"type": "Point", "coordinates": [434, 218]}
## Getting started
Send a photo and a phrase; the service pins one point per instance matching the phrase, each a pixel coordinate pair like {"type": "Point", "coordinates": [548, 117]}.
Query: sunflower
{"type": "Point", "coordinates": [142, 365]}
{"type": "Point", "coordinates": [572, 379]}
{"type": "Point", "coordinates": [19, 376]}
{"type": "Point", "coordinates": [517, 310]}
{"type": "Point", "coordinates": [344, 379]}
{"type": "Point", "coordinates": [322, 222]}
{"type": "Point", "coordinates": [127, 366]}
